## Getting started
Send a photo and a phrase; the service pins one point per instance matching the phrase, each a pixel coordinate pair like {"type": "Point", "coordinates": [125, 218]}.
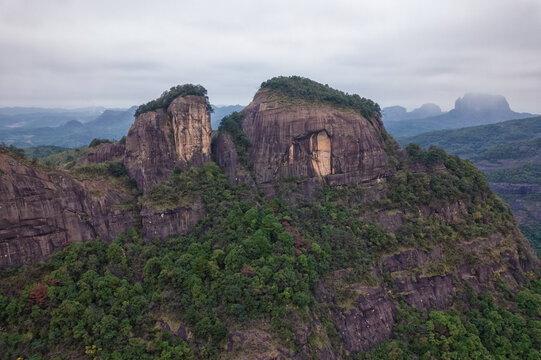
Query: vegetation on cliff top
{"type": "Point", "coordinates": [169, 95]}
{"type": "Point", "coordinates": [306, 89]}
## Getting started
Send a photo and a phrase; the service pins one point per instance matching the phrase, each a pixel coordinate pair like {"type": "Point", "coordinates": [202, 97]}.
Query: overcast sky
{"type": "Point", "coordinates": [120, 53]}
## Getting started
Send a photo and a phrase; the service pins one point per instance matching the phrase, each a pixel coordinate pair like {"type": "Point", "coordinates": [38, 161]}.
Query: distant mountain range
{"type": "Point", "coordinates": [399, 113]}
{"type": "Point", "coordinates": [109, 124]}
{"type": "Point", "coordinates": [470, 110]}
{"type": "Point", "coordinates": [509, 153]}
{"type": "Point", "coordinates": [220, 112]}
{"type": "Point", "coordinates": [30, 117]}
{"type": "Point", "coordinates": [28, 127]}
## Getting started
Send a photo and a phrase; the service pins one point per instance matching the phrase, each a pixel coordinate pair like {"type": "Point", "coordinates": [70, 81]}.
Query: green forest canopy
{"type": "Point", "coordinates": [306, 89]}
{"type": "Point", "coordinates": [169, 95]}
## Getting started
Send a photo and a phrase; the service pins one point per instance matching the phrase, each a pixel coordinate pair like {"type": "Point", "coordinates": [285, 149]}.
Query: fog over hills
{"type": "Point", "coordinates": [31, 117]}
{"type": "Point", "coordinates": [77, 128]}
{"type": "Point", "coordinates": [26, 127]}
{"type": "Point", "coordinates": [470, 110]}
{"type": "Point", "coordinates": [398, 113]}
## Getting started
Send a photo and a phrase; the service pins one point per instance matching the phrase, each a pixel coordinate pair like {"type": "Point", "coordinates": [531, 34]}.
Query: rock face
{"type": "Point", "coordinates": [40, 211]}
{"type": "Point", "coordinates": [226, 156]}
{"type": "Point", "coordinates": [317, 142]}
{"type": "Point", "coordinates": [366, 317]}
{"type": "Point", "coordinates": [104, 152]}
{"type": "Point", "coordinates": [163, 224]}
{"type": "Point", "coordinates": [367, 322]}
{"type": "Point", "coordinates": [161, 139]}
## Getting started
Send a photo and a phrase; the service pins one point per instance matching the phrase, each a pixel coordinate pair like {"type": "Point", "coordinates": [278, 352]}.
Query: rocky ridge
{"type": "Point", "coordinates": [161, 139]}
{"type": "Point", "coordinates": [317, 144]}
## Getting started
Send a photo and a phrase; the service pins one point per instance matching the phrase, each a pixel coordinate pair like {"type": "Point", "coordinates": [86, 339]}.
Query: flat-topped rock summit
{"type": "Point", "coordinates": [299, 128]}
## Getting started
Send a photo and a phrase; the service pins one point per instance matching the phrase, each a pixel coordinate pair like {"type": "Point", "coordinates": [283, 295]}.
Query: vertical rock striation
{"type": "Point", "coordinates": [312, 141]}
{"type": "Point", "coordinates": [161, 139]}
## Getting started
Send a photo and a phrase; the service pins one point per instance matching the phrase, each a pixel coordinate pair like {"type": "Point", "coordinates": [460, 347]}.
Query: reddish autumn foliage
{"type": "Point", "coordinates": [37, 295]}
{"type": "Point", "coordinates": [54, 282]}
{"type": "Point", "coordinates": [66, 243]}
{"type": "Point", "coordinates": [297, 238]}
{"type": "Point", "coordinates": [247, 270]}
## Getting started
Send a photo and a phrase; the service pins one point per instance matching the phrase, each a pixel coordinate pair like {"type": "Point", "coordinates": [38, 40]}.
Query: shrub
{"type": "Point", "coordinates": [306, 89]}
{"type": "Point", "coordinates": [169, 95]}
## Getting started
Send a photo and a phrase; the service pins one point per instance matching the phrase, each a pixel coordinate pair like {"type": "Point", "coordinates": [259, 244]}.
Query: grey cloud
{"type": "Point", "coordinates": [59, 53]}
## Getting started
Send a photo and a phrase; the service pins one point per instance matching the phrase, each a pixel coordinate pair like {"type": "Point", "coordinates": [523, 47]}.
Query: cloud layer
{"type": "Point", "coordinates": [119, 53]}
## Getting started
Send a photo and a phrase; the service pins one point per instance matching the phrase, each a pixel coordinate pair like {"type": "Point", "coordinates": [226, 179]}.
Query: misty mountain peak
{"type": "Point", "coordinates": [397, 113]}
{"type": "Point", "coordinates": [475, 102]}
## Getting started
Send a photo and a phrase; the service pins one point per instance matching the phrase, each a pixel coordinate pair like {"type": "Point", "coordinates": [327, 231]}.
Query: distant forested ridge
{"type": "Point", "coordinates": [509, 153]}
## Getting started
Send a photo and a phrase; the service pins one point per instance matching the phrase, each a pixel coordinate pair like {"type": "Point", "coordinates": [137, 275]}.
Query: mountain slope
{"type": "Point", "coordinates": [309, 257]}
{"type": "Point", "coordinates": [510, 155]}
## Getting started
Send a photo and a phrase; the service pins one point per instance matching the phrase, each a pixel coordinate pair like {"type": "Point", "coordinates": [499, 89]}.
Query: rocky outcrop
{"type": "Point", "coordinates": [104, 152]}
{"type": "Point", "coordinates": [312, 141]}
{"type": "Point", "coordinates": [163, 224]}
{"type": "Point", "coordinates": [190, 119]}
{"type": "Point", "coordinates": [253, 344]}
{"type": "Point", "coordinates": [364, 315]}
{"type": "Point", "coordinates": [161, 139]}
{"type": "Point", "coordinates": [150, 156]}
{"type": "Point", "coordinates": [364, 323]}
{"type": "Point", "coordinates": [41, 211]}
{"type": "Point", "coordinates": [227, 158]}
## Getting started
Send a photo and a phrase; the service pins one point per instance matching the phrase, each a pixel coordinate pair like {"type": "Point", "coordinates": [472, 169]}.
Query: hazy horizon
{"type": "Point", "coordinates": [124, 53]}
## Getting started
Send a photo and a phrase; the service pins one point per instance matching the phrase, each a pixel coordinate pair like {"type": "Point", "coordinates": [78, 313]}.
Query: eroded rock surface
{"type": "Point", "coordinates": [41, 211]}
{"type": "Point", "coordinates": [104, 152]}
{"type": "Point", "coordinates": [227, 158]}
{"type": "Point", "coordinates": [161, 139]}
{"type": "Point", "coordinates": [314, 142]}
{"type": "Point", "coordinates": [163, 224]}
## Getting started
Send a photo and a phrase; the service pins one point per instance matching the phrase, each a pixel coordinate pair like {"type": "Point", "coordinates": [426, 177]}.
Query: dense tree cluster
{"type": "Point", "coordinates": [484, 331]}
{"type": "Point", "coordinates": [13, 151]}
{"type": "Point", "coordinates": [89, 301]}
{"type": "Point", "coordinates": [233, 125]}
{"type": "Point", "coordinates": [97, 142]}
{"type": "Point", "coordinates": [526, 174]}
{"type": "Point", "coordinates": [169, 95]}
{"type": "Point", "coordinates": [297, 87]}
{"type": "Point", "coordinates": [252, 260]}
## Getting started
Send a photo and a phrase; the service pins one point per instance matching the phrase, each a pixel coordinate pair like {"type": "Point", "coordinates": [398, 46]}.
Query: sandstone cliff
{"type": "Point", "coordinates": [314, 141]}
{"type": "Point", "coordinates": [40, 211]}
{"type": "Point", "coordinates": [161, 139]}
{"type": "Point", "coordinates": [104, 152]}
